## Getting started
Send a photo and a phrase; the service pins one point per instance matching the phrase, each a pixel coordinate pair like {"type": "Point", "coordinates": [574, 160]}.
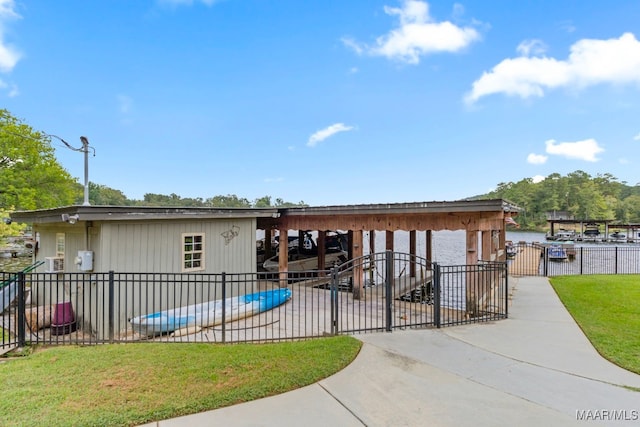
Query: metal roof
{"type": "Point", "coordinates": [138, 213]}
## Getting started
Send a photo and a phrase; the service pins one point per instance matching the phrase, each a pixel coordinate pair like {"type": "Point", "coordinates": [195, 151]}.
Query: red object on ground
{"type": "Point", "coordinates": [63, 321]}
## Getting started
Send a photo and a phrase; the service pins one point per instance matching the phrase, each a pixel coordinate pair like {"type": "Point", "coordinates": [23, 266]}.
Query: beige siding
{"type": "Point", "coordinates": [143, 247]}
{"type": "Point", "coordinates": [74, 242]}
{"type": "Point", "coordinates": [156, 247]}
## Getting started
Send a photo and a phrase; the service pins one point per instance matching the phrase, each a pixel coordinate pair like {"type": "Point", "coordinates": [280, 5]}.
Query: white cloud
{"type": "Point", "coordinates": [186, 2]}
{"type": "Point", "coordinates": [567, 26]}
{"type": "Point", "coordinates": [125, 104]}
{"type": "Point", "coordinates": [278, 179]}
{"type": "Point", "coordinates": [7, 10]}
{"type": "Point", "coordinates": [531, 47]}
{"type": "Point", "coordinates": [537, 159]}
{"type": "Point", "coordinates": [417, 35]}
{"type": "Point", "coordinates": [538, 178]}
{"type": "Point", "coordinates": [590, 62]}
{"type": "Point", "coordinates": [623, 161]}
{"type": "Point", "coordinates": [13, 91]}
{"type": "Point", "coordinates": [353, 45]}
{"type": "Point", "coordinates": [325, 133]}
{"type": "Point", "coordinates": [637, 137]}
{"type": "Point", "coordinates": [9, 56]}
{"type": "Point", "coordinates": [581, 150]}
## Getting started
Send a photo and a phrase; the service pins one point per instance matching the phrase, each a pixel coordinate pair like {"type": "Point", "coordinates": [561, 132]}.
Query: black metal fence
{"type": "Point", "coordinates": [537, 259]}
{"type": "Point", "coordinates": [378, 292]}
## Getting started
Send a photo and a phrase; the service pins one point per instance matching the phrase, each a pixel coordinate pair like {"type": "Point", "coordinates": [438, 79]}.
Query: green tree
{"type": "Point", "coordinates": [282, 204]}
{"type": "Point", "coordinates": [30, 176]}
{"type": "Point", "coordinates": [263, 202]}
{"type": "Point", "coordinates": [9, 228]}
{"type": "Point", "coordinates": [629, 210]}
{"type": "Point", "coordinates": [105, 196]}
{"type": "Point", "coordinates": [228, 201]}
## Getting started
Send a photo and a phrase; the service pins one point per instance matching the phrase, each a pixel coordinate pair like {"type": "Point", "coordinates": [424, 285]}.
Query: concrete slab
{"type": "Point", "coordinates": [535, 368]}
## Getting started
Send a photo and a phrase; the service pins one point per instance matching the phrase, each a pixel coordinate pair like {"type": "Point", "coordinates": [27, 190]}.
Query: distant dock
{"type": "Point", "coordinates": [527, 260]}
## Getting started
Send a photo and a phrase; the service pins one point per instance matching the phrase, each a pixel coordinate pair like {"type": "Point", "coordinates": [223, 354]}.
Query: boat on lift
{"type": "Point", "coordinates": [557, 253]}
{"type": "Point", "coordinates": [305, 257]}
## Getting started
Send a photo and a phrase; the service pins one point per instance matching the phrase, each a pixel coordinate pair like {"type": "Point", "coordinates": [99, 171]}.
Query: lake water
{"type": "Point", "coordinates": [13, 265]}
{"type": "Point", "coordinates": [448, 247]}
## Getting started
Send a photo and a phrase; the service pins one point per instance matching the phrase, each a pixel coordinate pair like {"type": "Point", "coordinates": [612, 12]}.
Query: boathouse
{"type": "Point", "coordinates": [213, 240]}
{"type": "Point", "coordinates": [83, 243]}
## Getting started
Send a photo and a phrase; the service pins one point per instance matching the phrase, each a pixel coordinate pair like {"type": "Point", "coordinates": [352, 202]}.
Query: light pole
{"type": "Point", "coordinates": [85, 150]}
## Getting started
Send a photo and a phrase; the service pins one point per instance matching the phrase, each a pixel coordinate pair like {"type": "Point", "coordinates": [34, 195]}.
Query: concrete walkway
{"type": "Point", "coordinates": [534, 369]}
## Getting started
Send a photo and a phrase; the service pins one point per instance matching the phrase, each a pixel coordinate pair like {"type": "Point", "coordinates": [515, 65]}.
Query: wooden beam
{"type": "Point", "coordinates": [393, 222]}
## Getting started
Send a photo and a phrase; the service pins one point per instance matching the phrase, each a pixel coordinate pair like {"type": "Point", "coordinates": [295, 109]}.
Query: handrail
{"type": "Point", "coordinates": [13, 276]}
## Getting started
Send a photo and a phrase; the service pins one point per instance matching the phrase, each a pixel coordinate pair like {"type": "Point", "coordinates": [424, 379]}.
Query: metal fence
{"type": "Point", "coordinates": [378, 292]}
{"type": "Point", "coordinates": [536, 259]}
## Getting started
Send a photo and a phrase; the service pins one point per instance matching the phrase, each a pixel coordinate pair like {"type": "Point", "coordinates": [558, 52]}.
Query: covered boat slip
{"type": "Point", "coordinates": [484, 222]}
{"type": "Point", "coordinates": [593, 231]}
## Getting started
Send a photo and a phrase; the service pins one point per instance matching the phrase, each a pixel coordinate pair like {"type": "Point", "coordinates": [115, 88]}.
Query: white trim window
{"type": "Point", "coordinates": [192, 252]}
{"type": "Point", "coordinates": [60, 244]}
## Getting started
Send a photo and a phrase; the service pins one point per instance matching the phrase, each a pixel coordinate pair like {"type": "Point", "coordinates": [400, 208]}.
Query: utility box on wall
{"type": "Point", "coordinates": [85, 260]}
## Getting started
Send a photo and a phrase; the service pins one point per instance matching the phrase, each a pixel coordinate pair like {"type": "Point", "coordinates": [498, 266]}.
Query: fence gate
{"type": "Point", "coordinates": [389, 290]}
{"type": "Point", "coordinates": [382, 291]}
{"type": "Point", "coordinates": [526, 259]}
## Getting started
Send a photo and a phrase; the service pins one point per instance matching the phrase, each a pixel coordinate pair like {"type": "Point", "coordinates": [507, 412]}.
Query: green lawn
{"type": "Point", "coordinates": [131, 384]}
{"type": "Point", "coordinates": [607, 308]}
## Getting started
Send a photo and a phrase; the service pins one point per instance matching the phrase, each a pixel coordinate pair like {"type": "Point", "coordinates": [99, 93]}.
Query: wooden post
{"type": "Point", "coordinates": [372, 250]}
{"type": "Point", "coordinates": [283, 256]}
{"type": "Point", "coordinates": [429, 246]}
{"type": "Point", "coordinates": [372, 241]}
{"type": "Point", "coordinates": [358, 271]}
{"type": "Point", "coordinates": [268, 249]}
{"type": "Point", "coordinates": [321, 249]}
{"type": "Point", "coordinates": [487, 246]}
{"type": "Point", "coordinates": [389, 241]}
{"type": "Point", "coordinates": [471, 279]}
{"type": "Point", "coordinates": [412, 252]}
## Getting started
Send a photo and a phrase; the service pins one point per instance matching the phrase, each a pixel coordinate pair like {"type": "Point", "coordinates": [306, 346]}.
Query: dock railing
{"type": "Point", "coordinates": [556, 259]}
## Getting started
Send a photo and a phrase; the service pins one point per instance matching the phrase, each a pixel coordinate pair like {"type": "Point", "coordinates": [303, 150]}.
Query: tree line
{"type": "Point", "coordinates": [579, 194]}
{"type": "Point", "coordinates": [102, 195]}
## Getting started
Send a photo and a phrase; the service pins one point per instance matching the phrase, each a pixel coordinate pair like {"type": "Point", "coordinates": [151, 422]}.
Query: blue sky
{"type": "Point", "coordinates": [327, 102]}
